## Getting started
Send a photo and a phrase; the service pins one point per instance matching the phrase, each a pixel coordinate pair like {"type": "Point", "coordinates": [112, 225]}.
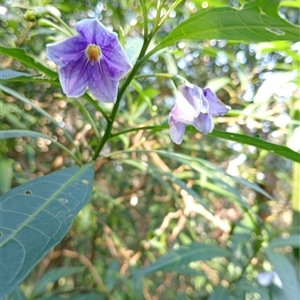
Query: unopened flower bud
{"type": "Point", "coordinates": [35, 13]}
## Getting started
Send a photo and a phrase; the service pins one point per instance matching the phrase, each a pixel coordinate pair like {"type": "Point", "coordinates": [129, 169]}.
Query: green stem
{"type": "Point", "coordinates": [145, 16]}
{"type": "Point", "coordinates": [173, 6]}
{"type": "Point", "coordinates": [141, 59]}
{"type": "Point", "coordinates": [61, 22]}
{"type": "Point", "coordinates": [88, 98]}
{"type": "Point", "coordinates": [90, 119]}
{"type": "Point", "coordinates": [157, 19]}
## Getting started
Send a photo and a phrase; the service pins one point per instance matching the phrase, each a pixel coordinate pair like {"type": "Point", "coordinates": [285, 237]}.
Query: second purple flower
{"type": "Point", "coordinates": [194, 106]}
{"type": "Point", "coordinates": [93, 59]}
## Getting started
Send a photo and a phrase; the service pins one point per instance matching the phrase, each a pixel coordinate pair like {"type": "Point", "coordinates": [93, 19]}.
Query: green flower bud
{"type": "Point", "coordinates": [35, 13]}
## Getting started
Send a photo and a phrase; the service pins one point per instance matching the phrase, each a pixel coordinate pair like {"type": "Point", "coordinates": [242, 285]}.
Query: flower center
{"type": "Point", "coordinates": [93, 53]}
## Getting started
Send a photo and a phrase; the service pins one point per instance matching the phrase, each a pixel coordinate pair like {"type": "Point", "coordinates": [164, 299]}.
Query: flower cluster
{"type": "Point", "coordinates": [194, 106]}
{"type": "Point", "coordinates": [93, 59]}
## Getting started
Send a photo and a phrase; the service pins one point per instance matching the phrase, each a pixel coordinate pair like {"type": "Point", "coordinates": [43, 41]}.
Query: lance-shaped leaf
{"type": "Point", "coordinates": [257, 21]}
{"type": "Point", "coordinates": [35, 216]}
{"type": "Point", "coordinates": [174, 259]}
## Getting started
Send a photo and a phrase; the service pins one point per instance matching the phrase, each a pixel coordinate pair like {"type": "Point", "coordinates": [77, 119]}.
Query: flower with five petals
{"type": "Point", "coordinates": [194, 106]}
{"type": "Point", "coordinates": [93, 59]}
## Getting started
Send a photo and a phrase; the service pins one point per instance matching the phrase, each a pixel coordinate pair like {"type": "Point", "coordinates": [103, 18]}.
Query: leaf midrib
{"type": "Point", "coordinates": [41, 208]}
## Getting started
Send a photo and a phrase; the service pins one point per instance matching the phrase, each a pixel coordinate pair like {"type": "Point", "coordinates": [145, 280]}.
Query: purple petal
{"type": "Point", "coordinates": [71, 49]}
{"type": "Point", "coordinates": [216, 107]}
{"type": "Point", "coordinates": [101, 85]}
{"type": "Point", "coordinates": [74, 77]}
{"type": "Point", "coordinates": [277, 281]}
{"type": "Point", "coordinates": [116, 59]}
{"type": "Point", "coordinates": [265, 278]}
{"type": "Point", "coordinates": [94, 32]}
{"type": "Point", "coordinates": [186, 107]}
{"type": "Point", "coordinates": [177, 130]}
{"type": "Point", "coordinates": [195, 95]}
{"type": "Point", "coordinates": [204, 123]}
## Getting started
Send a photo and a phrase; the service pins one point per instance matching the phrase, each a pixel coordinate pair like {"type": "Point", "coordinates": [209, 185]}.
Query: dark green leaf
{"type": "Point", "coordinates": [53, 276]}
{"type": "Point", "coordinates": [220, 293]}
{"type": "Point", "coordinates": [36, 216]}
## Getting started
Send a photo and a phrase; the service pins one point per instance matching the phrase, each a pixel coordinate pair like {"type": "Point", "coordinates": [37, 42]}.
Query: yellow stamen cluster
{"type": "Point", "coordinates": [93, 53]}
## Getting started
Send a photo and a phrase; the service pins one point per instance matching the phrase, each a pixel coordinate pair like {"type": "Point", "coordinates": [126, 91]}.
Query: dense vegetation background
{"type": "Point", "coordinates": [200, 220]}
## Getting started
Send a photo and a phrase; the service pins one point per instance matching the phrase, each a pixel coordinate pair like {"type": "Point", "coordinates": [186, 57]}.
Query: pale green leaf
{"type": "Point", "coordinates": [36, 216]}
{"type": "Point", "coordinates": [8, 74]}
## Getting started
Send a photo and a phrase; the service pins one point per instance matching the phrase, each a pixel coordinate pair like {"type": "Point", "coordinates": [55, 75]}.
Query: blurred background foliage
{"type": "Point", "coordinates": [150, 195]}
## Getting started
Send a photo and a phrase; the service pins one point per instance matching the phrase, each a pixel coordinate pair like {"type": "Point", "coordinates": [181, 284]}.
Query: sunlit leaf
{"type": "Point", "coordinates": [259, 143]}
{"type": "Point", "coordinates": [36, 216]}
{"type": "Point", "coordinates": [27, 60]}
{"type": "Point", "coordinates": [257, 21]}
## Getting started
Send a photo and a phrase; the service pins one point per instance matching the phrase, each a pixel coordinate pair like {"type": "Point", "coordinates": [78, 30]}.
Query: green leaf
{"type": "Point", "coordinates": [133, 47]}
{"type": "Point", "coordinates": [159, 174]}
{"type": "Point", "coordinates": [293, 241]}
{"type": "Point", "coordinates": [240, 138]}
{"type": "Point", "coordinates": [184, 255]}
{"type": "Point", "coordinates": [27, 60]}
{"type": "Point", "coordinates": [17, 295]}
{"type": "Point", "coordinates": [53, 276]}
{"type": "Point", "coordinates": [220, 293]}
{"type": "Point", "coordinates": [36, 216]}
{"type": "Point", "coordinates": [41, 111]}
{"type": "Point", "coordinates": [10, 74]}
{"type": "Point", "coordinates": [286, 273]}
{"type": "Point", "coordinates": [7, 134]}
{"type": "Point", "coordinates": [254, 22]}
{"type": "Point", "coordinates": [6, 174]}
{"type": "Point", "coordinates": [259, 143]}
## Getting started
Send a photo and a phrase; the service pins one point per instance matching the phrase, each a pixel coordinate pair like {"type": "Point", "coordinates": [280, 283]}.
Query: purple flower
{"type": "Point", "coordinates": [93, 59]}
{"type": "Point", "coordinates": [194, 106]}
{"type": "Point", "coordinates": [266, 278]}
